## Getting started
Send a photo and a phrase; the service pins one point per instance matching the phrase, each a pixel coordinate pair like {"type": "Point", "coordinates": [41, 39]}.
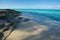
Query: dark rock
{"type": "Point", "coordinates": [2, 24]}
{"type": "Point", "coordinates": [7, 19]}
{"type": "Point", "coordinates": [9, 16]}
{"type": "Point", "coordinates": [1, 35]}
{"type": "Point", "coordinates": [26, 20]}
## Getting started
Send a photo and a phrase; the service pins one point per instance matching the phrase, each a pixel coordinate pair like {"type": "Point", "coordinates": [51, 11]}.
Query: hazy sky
{"type": "Point", "coordinates": [35, 4]}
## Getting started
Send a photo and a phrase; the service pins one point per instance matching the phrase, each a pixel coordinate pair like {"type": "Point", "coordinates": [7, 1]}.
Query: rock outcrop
{"type": "Point", "coordinates": [8, 19]}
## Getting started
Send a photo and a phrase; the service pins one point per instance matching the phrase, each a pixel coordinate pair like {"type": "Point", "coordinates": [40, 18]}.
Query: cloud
{"type": "Point", "coordinates": [53, 7]}
{"type": "Point", "coordinates": [58, 6]}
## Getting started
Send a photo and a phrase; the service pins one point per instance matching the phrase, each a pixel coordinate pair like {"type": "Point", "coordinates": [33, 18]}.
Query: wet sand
{"type": "Point", "coordinates": [26, 29]}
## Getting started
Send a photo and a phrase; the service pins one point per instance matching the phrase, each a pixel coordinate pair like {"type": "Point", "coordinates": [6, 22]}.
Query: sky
{"type": "Point", "coordinates": [30, 4]}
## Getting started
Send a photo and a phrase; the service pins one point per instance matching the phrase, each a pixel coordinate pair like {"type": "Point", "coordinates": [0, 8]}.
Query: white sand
{"type": "Point", "coordinates": [24, 30]}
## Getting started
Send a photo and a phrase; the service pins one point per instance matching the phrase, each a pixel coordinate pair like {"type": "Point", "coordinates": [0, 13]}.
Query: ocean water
{"type": "Point", "coordinates": [52, 14]}
{"type": "Point", "coordinates": [40, 15]}
{"type": "Point", "coordinates": [49, 18]}
{"type": "Point", "coordinates": [49, 11]}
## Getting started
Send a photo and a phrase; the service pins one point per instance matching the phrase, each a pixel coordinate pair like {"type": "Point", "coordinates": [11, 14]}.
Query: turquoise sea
{"type": "Point", "coordinates": [41, 16]}
{"type": "Point", "coordinates": [48, 11]}
{"type": "Point", "coordinates": [52, 14]}
{"type": "Point", "coordinates": [49, 18]}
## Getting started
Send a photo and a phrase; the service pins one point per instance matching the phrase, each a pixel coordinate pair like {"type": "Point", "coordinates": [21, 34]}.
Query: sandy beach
{"type": "Point", "coordinates": [34, 26]}
{"type": "Point", "coordinates": [26, 29]}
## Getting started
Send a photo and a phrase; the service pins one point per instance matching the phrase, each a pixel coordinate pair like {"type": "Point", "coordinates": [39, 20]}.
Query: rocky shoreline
{"type": "Point", "coordinates": [8, 20]}
{"type": "Point", "coordinates": [28, 26]}
{"type": "Point", "coordinates": [16, 27]}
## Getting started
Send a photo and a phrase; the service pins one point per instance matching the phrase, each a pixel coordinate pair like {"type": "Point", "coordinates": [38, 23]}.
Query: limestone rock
{"type": "Point", "coordinates": [8, 20]}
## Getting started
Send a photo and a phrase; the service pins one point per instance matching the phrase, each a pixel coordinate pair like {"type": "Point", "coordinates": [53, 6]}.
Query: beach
{"type": "Point", "coordinates": [24, 30]}
{"type": "Point", "coordinates": [38, 27]}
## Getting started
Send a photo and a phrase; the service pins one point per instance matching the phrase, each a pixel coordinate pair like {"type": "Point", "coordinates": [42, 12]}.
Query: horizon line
{"type": "Point", "coordinates": [28, 8]}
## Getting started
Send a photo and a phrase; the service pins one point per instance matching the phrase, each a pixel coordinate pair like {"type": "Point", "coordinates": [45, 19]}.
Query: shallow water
{"type": "Point", "coordinates": [49, 18]}
{"type": "Point", "coordinates": [39, 20]}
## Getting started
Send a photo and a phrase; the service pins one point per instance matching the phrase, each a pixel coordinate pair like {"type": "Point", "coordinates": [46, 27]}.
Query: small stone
{"type": "Point", "coordinates": [1, 35]}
